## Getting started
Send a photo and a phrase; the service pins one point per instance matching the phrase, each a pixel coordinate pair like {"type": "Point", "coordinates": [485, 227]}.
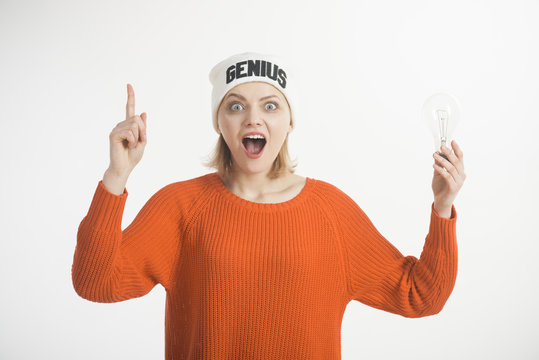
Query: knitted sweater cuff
{"type": "Point", "coordinates": [443, 230]}
{"type": "Point", "coordinates": [106, 209]}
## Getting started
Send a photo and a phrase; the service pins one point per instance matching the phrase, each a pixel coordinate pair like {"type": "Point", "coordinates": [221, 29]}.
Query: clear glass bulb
{"type": "Point", "coordinates": [441, 112]}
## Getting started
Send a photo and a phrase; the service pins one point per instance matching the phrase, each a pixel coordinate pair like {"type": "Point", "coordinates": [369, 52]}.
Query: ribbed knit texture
{"type": "Point", "coordinates": [248, 280]}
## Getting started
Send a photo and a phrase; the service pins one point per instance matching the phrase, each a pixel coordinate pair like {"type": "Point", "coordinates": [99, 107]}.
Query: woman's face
{"type": "Point", "coordinates": [254, 106]}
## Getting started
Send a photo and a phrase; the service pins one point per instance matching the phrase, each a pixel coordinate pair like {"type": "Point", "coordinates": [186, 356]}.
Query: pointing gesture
{"type": "Point", "coordinates": [130, 107]}
{"type": "Point", "coordinates": [128, 139]}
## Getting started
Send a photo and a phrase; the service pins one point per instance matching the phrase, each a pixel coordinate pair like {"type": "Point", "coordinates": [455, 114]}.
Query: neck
{"type": "Point", "coordinates": [253, 185]}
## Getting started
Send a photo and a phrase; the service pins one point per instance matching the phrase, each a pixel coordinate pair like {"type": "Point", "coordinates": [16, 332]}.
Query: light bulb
{"type": "Point", "coordinates": [441, 111]}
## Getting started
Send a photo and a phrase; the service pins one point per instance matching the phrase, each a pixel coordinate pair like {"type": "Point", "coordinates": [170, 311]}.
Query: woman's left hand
{"type": "Point", "coordinates": [446, 184]}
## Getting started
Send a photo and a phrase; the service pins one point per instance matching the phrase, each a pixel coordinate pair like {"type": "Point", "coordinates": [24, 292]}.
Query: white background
{"type": "Point", "coordinates": [364, 70]}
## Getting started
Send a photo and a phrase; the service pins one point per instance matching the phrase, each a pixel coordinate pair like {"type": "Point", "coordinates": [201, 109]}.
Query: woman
{"type": "Point", "coordinates": [257, 262]}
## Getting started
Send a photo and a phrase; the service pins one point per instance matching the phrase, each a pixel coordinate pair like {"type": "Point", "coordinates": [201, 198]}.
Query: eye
{"type": "Point", "coordinates": [275, 105]}
{"type": "Point", "coordinates": [234, 104]}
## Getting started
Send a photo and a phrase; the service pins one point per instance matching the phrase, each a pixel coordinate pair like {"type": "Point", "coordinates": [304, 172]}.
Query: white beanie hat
{"type": "Point", "coordinates": [250, 66]}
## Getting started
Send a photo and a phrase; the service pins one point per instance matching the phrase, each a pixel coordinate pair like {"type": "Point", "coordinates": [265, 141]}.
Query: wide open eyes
{"type": "Point", "coordinates": [237, 106]}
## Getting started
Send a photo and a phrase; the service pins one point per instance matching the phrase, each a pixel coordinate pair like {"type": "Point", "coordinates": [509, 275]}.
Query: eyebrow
{"type": "Point", "coordinates": [262, 98]}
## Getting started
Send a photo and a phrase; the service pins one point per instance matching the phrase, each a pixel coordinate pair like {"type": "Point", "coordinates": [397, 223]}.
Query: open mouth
{"type": "Point", "coordinates": [254, 146]}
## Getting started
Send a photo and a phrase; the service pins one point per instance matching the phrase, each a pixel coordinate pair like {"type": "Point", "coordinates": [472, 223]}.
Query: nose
{"type": "Point", "coordinates": [253, 117]}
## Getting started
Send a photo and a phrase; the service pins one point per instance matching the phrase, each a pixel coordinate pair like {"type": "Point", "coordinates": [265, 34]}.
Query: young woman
{"type": "Point", "coordinates": [257, 262]}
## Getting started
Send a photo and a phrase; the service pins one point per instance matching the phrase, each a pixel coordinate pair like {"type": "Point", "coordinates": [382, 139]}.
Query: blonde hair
{"type": "Point", "coordinates": [221, 159]}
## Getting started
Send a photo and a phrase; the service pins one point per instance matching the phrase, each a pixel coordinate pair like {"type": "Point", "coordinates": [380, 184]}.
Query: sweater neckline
{"type": "Point", "coordinates": [218, 184]}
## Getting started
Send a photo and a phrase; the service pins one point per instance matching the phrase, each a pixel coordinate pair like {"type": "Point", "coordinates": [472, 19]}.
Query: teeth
{"type": "Point", "coordinates": [254, 137]}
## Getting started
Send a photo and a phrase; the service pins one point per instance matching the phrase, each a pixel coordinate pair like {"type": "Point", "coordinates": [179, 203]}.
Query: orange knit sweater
{"type": "Point", "coordinates": [248, 280]}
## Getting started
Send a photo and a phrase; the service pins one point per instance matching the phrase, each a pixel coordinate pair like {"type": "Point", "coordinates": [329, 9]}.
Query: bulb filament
{"type": "Point", "coordinates": [442, 116]}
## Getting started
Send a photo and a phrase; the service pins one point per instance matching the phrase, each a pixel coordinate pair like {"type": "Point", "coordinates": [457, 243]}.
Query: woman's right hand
{"type": "Point", "coordinates": [128, 139]}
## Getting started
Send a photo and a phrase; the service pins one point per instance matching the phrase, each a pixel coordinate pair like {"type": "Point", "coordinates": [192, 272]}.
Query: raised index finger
{"type": "Point", "coordinates": [130, 107]}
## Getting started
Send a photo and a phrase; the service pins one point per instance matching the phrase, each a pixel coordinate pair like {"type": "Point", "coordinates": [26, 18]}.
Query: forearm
{"type": "Point", "coordinates": [114, 183]}
{"type": "Point", "coordinates": [443, 211]}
